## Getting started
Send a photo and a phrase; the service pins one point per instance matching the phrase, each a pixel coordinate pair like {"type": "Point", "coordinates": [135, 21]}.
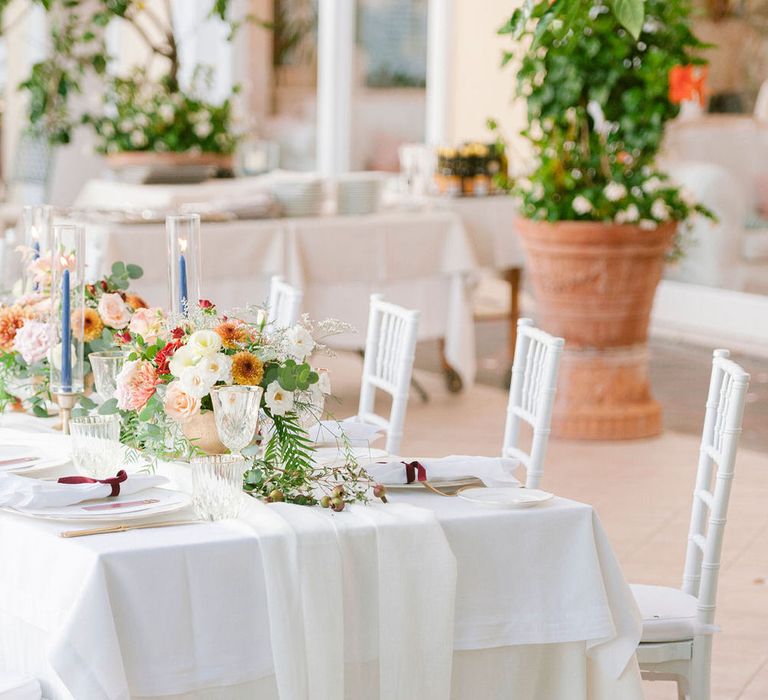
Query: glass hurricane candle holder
{"type": "Point", "coordinates": [106, 365]}
{"type": "Point", "coordinates": [236, 411]}
{"type": "Point", "coordinates": [36, 229]}
{"type": "Point", "coordinates": [184, 262]}
{"type": "Point", "coordinates": [217, 486]}
{"type": "Point", "coordinates": [67, 314]}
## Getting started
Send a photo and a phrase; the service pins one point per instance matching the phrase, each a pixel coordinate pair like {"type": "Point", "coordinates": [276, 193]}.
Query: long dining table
{"type": "Point", "coordinates": [425, 597]}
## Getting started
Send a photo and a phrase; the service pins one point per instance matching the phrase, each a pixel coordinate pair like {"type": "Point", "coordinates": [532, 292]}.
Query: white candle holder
{"type": "Point", "coordinates": [67, 319]}
{"type": "Point", "coordinates": [184, 261]}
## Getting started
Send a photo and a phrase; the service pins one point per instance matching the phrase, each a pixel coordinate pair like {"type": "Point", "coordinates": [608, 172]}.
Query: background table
{"type": "Point", "coordinates": [539, 607]}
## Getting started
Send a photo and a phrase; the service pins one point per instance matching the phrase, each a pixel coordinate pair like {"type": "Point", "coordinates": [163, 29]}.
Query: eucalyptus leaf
{"type": "Point", "coordinates": [134, 271]}
{"type": "Point", "coordinates": [108, 408]}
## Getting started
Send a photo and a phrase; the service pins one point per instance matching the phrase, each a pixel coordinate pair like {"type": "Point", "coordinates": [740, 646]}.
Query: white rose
{"type": "Point", "coordinates": [659, 210]}
{"type": "Point", "coordinates": [218, 365]}
{"type": "Point", "coordinates": [300, 342]}
{"type": "Point", "coordinates": [197, 381]}
{"type": "Point", "coordinates": [184, 357]}
{"type": "Point", "coordinates": [278, 400]}
{"type": "Point", "coordinates": [126, 125]}
{"type": "Point", "coordinates": [205, 343]}
{"type": "Point", "coordinates": [581, 205]}
{"type": "Point", "coordinates": [614, 191]}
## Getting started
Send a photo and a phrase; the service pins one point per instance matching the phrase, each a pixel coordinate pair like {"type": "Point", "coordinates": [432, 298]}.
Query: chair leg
{"type": "Point", "coordinates": [682, 693]}
{"type": "Point", "coordinates": [700, 668]}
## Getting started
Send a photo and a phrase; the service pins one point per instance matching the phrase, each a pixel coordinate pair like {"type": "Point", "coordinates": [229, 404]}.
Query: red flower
{"type": "Point", "coordinates": [124, 337]}
{"type": "Point", "coordinates": [205, 304]}
{"type": "Point", "coordinates": [177, 333]}
{"type": "Point", "coordinates": [165, 354]}
{"type": "Point", "coordinates": [687, 83]}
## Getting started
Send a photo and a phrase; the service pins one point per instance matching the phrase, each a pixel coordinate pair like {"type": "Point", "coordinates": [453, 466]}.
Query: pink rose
{"type": "Point", "coordinates": [114, 311]}
{"type": "Point", "coordinates": [136, 383]}
{"type": "Point", "coordinates": [179, 405]}
{"type": "Point", "coordinates": [148, 323]}
{"type": "Point", "coordinates": [32, 340]}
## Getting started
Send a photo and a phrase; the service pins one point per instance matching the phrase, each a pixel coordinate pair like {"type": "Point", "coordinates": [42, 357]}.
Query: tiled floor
{"type": "Point", "coordinates": [642, 492]}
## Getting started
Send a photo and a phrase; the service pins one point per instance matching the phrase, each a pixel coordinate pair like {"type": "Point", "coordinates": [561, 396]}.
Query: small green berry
{"type": "Point", "coordinates": [325, 501]}
{"type": "Point", "coordinates": [277, 495]}
{"type": "Point", "coordinates": [337, 504]}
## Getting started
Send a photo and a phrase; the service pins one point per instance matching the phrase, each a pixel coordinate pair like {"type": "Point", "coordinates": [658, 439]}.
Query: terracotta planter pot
{"type": "Point", "coordinates": [151, 167]}
{"type": "Point", "coordinates": [594, 284]}
{"type": "Point", "coordinates": [202, 430]}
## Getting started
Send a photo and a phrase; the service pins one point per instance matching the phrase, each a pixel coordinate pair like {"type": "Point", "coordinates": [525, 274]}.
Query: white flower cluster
{"type": "Point", "coordinates": [199, 364]}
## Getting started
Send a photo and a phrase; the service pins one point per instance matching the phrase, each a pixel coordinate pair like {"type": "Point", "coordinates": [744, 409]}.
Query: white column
{"type": "Point", "coordinates": [335, 57]}
{"type": "Point", "coordinates": [440, 44]}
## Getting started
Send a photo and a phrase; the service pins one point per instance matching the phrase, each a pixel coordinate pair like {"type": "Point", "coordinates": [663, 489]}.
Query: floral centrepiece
{"type": "Point", "coordinates": [25, 335]}
{"type": "Point", "coordinates": [167, 381]}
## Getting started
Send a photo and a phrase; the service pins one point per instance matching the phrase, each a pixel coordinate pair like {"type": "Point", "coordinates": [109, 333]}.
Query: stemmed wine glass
{"type": "Point", "coordinates": [106, 365]}
{"type": "Point", "coordinates": [236, 411]}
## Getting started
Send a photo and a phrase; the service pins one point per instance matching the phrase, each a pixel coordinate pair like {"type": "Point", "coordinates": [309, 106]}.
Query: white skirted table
{"type": "Point", "coordinates": [425, 597]}
{"type": "Point", "coordinates": [422, 260]}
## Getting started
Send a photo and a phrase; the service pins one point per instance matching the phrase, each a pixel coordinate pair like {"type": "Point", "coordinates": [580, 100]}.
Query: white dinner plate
{"type": "Point", "coordinates": [18, 459]}
{"type": "Point", "coordinates": [167, 501]}
{"type": "Point", "coordinates": [505, 497]}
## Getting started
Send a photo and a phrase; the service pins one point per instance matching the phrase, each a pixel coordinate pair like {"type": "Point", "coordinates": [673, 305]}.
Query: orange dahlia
{"type": "Point", "coordinates": [135, 302]}
{"type": "Point", "coordinates": [247, 369]}
{"type": "Point", "coordinates": [11, 319]}
{"type": "Point", "coordinates": [233, 333]}
{"type": "Point", "coordinates": [87, 322]}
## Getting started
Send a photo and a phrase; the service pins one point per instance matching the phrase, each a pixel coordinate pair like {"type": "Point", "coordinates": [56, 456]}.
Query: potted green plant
{"type": "Point", "coordinates": [597, 218]}
{"type": "Point", "coordinates": [142, 120]}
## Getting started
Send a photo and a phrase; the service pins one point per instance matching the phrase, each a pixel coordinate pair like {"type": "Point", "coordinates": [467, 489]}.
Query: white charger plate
{"type": "Point", "coordinates": [505, 497]}
{"type": "Point", "coordinates": [43, 459]}
{"type": "Point", "coordinates": [168, 502]}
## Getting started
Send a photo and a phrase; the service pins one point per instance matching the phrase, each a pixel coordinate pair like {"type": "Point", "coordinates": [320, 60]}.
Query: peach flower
{"type": "Point", "coordinates": [148, 323]}
{"type": "Point", "coordinates": [136, 383]}
{"type": "Point", "coordinates": [32, 341]}
{"type": "Point", "coordinates": [179, 405]}
{"type": "Point", "coordinates": [114, 311]}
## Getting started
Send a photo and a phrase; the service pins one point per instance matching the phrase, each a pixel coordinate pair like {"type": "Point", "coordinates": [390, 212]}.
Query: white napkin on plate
{"type": "Point", "coordinates": [23, 492]}
{"type": "Point", "coordinates": [331, 431]}
{"type": "Point", "coordinates": [492, 471]}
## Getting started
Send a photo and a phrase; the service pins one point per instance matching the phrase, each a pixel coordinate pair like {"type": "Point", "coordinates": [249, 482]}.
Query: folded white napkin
{"type": "Point", "coordinates": [22, 492]}
{"type": "Point", "coordinates": [330, 431]}
{"type": "Point", "coordinates": [492, 471]}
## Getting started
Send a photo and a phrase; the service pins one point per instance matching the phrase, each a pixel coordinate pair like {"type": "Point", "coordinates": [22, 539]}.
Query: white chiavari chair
{"type": "Point", "coordinates": [531, 396]}
{"type": "Point", "coordinates": [284, 303]}
{"type": "Point", "coordinates": [390, 347]}
{"type": "Point", "coordinates": [15, 686]}
{"type": "Point", "coordinates": [678, 623]}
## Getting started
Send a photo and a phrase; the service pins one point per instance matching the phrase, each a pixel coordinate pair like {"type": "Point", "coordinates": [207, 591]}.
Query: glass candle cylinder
{"type": "Point", "coordinates": [184, 261]}
{"type": "Point", "coordinates": [36, 225]}
{"type": "Point", "coordinates": [67, 319]}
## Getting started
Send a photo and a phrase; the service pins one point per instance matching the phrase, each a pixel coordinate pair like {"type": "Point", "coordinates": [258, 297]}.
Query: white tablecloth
{"type": "Point", "coordinates": [539, 605]}
{"type": "Point", "coordinates": [422, 260]}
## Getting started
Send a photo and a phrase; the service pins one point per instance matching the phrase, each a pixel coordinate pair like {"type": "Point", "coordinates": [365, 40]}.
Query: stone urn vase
{"type": "Point", "coordinates": [202, 431]}
{"type": "Point", "coordinates": [594, 284]}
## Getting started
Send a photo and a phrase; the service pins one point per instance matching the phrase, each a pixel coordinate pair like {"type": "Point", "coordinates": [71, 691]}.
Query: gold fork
{"type": "Point", "coordinates": [125, 527]}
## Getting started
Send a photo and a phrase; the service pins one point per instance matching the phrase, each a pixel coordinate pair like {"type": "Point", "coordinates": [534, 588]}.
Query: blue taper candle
{"type": "Point", "coordinates": [182, 283]}
{"type": "Point", "coordinates": [66, 335]}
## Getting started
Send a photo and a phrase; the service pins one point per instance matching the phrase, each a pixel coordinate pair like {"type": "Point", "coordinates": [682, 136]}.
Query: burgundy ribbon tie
{"type": "Point", "coordinates": [113, 481]}
{"type": "Point", "coordinates": [414, 471]}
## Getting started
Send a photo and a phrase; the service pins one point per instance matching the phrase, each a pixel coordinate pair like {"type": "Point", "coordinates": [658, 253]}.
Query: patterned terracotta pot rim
{"type": "Point", "coordinates": [127, 159]}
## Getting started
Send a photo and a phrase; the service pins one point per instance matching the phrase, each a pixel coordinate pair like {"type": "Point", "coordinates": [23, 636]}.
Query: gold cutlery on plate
{"type": "Point", "coordinates": [123, 528]}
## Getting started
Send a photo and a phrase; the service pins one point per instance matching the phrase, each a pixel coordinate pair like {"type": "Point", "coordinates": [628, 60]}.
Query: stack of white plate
{"type": "Point", "coordinates": [358, 193]}
{"type": "Point", "coordinates": [301, 197]}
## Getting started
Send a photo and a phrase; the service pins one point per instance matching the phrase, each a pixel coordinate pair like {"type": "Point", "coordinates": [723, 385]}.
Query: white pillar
{"type": "Point", "coordinates": [335, 57]}
{"type": "Point", "coordinates": [440, 44]}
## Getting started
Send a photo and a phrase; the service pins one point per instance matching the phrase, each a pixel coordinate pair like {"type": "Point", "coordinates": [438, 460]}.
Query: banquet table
{"type": "Point", "coordinates": [421, 260]}
{"type": "Point", "coordinates": [425, 597]}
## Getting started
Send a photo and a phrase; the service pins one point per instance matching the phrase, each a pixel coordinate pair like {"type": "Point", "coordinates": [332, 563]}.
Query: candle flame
{"type": "Point", "coordinates": [183, 244]}
{"type": "Point", "coordinates": [33, 232]}
{"type": "Point", "coordinates": [64, 262]}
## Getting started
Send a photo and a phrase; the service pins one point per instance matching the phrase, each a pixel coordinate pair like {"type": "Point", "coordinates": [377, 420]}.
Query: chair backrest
{"type": "Point", "coordinates": [390, 347]}
{"type": "Point", "coordinates": [717, 456]}
{"type": "Point", "coordinates": [284, 303]}
{"type": "Point", "coordinates": [531, 396]}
